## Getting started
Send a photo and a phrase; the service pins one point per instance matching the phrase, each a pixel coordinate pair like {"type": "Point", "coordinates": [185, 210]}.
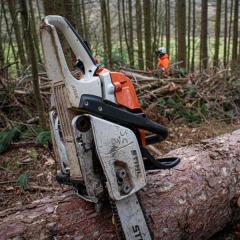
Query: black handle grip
{"type": "Point", "coordinates": [112, 112]}
{"type": "Point", "coordinates": [160, 163]}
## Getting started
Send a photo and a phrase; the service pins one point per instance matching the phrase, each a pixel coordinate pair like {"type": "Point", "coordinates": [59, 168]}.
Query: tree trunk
{"type": "Point", "coordinates": [34, 31]}
{"type": "Point", "coordinates": [235, 32]}
{"type": "Point", "coordinates": [33, 61]}
{"type": "Point", "coordinates": [154, 24]}
{"type": "Point", "coordinates": [131, 45]}
{"type": "Point", "coordinates": [168, 31]}
{"type": "Point", "coordinates": [194, 200]}
{"type": "Point", "coordinates": [49, 7]}
{"type": "Point", "coordinates": [139, 34]}
{"type": "Point", "coordinates": [193, 35]}
{"type": "Point", "coordinates": [126, 35]}
{"type": "Point", "coordinates": [176, 30]}
{"type": "Point", "coordinates": [78, 17]}
{"type": "Point", "coordinates": [217, 32]}
{"type": "Point", "coordinates": [181, 18]}
{"type": "Point", "coordinates": [105, 14]}
{"type": "Point", "coordinates": [189, 34]}
{"type": "Point", "coordinates": [230, 30]}
{"type": "Point", "coordinates": [120, 30]}
{"type": "Point", "coordinates": [204, 34]}
{"type": "Point", "coordinates": [147, 33]}
{"type": "Point", "coordinates": [85, 23]}
{"type": "Point", "coordinates": [13, 14]}
{"type": "Point", "coordinates": [10, 40]}
{"type": "Point", "coordinates": [2, 60]}
{"type": "Point", "coordinates": [225, 32]}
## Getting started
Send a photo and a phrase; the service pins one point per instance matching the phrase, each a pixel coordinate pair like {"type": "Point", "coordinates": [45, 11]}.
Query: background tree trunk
{"type": "Point", "coordinates": [235, 32]}
{"type": "Point", "coordinates": [120, 30]}
{"type": "Point", "coordinates": [147, 33]}
{"type": "Point", "coordinates": [78, 17]}
{"type": "Point", "coordinates": [139, 34]}
{"type": "Point", "coordinates": [106, 22]}
{"type": "Point", "coordinates": [131, 44]}
{"type": "Point", "coordinates": [225, 32]}
{"type": "Point", "coordinates": [34, 30]}
{"type": "Point", "coordinates": [217, 32]}
{"type": "Point", "coordinates": [168, 32]}
{"type": "Point", "coordinates": [192, 201]}
{"type": "Point", "coordinates": [181, 18]}
{"type": "Point", "coordinates": [16, 26]}
{"type": "Point", "coordinates": [33, 61]}
{"type": "Point", "coordinates": [189, 34]}
{"type": "Point", "coordinates": [10, 39]}
{"type": "Point", "coordinates": [1, 42]}
{"type": "Point", "coordinates": [154, 24]}
{"type": "Point", "coordinates": [193, 35]}
{"type": "Point", "coordinates": [230, 31]}
{"type": "Point", "coordinates": [49, 7]}
{"type": "Point", "coordinates": [204, 35]}
{"type": "Point", "coordinates": [176, 30]}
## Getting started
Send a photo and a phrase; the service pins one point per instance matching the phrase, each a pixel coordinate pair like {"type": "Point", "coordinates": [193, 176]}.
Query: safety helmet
{"type": "Point", "coordinates": [162, 50]}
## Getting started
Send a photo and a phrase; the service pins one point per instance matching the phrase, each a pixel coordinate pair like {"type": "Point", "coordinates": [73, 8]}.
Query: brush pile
{"type": "Point", "coordinates": [214, 93]}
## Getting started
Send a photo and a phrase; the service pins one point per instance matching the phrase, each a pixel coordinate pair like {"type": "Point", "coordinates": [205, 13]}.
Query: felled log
{"type": "Point", "coordinates": [138, 76]}
{"type": "Point", "coordinates": [141, 76]}
{"type": "Point", "coordinates": [194, 200]}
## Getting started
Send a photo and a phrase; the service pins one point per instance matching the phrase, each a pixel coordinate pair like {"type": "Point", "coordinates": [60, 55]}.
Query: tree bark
{"type": "Point", "coordinates": [193, 34]}
{"type": "Point", "coordinates": [49, 7]}
{"type": "Point", "coordinates": [106, 23]}
{"type": "Point", "coordinates": [34, 31]}
{"type": "Point", "coordinates": [78, 17]}
{"type": "Point", "coordinates": [131, 44]}
{"type": "Point", "coordinates": [10, 39]}
{"type": "Point", "coordinates": [217, 32]}
{"type": "Point", "coordinates": [235, 32]}
{"type": "Point", "coordinates": [33, 60]}
{"type": "Point", "coordinates": [194, 200]}
{"type": "Point", "coordinates": [225, 32]}
{"type": "Point", "coordinates": [204, 35]}
{"type": "Point", "coordinates": [139, 34]}
{"type": "Point", "coordinates": [167, 26]}
{"type": "Point", "coordinates": [189, 34]}
{"type": "Point", "coordinates": [120, 30]}
{"type": "Point", "coordinates": [1, 42]}
{"type": "Point", "coordinates": [16, 26]}
{"type": "Point", "coordinates": [230, 31]}
{"type": "Point", "coordinates": [181, 18]}
{"type": "Point", "coordinates": [155, 24]}
{"type": "Point", "coordinates": [147, 33]}
{"type": "Point", "coordinates": [85, 22]}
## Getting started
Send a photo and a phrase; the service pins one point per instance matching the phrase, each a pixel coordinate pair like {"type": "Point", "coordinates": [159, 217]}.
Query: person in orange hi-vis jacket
{"type": "Point", "coordinates": [163, 61]}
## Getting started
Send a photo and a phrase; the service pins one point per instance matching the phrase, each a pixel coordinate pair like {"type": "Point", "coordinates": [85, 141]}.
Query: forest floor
{"type": "Point", "coordinates": [27, 171]}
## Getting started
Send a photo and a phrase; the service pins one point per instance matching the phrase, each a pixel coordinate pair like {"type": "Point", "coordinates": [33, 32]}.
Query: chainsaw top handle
{"type": "Point", "coordinates": [79, 48]}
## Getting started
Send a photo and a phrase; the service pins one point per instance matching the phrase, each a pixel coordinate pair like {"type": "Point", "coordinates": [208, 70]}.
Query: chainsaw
{"type": "Point", "coordinates": [99, 131]}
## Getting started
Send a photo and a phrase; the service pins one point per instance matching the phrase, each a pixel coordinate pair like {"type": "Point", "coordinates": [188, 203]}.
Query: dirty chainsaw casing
{"type": "Point", "coordinates": [98, 130]}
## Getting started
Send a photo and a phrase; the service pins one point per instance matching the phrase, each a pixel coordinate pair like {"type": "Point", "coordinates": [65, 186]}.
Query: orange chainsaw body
{"type": "Point", "coordinates": [125, 94]}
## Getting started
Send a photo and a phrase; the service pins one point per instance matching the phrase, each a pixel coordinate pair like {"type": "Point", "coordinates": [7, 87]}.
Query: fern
{"type": "Point", "coordinates": [44, 137]}
{"type": "Point", "coordinates": [8, 136]}
{"type": "Point", "coordinates": [23, 180]}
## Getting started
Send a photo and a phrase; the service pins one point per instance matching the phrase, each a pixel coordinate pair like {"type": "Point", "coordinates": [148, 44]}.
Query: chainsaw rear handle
{"type": "Point", "coordinates": [77, 45]}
